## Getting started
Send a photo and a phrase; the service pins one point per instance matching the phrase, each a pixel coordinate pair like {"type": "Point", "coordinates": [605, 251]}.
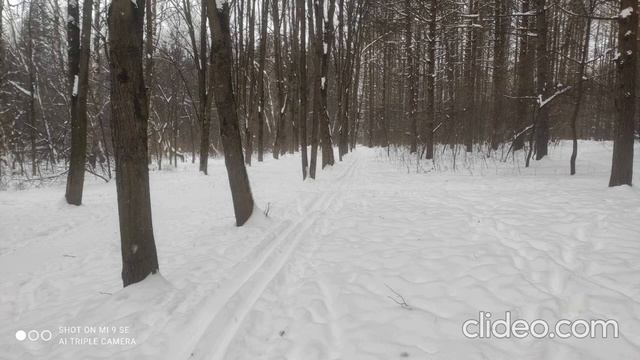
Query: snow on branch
{"type": "Point", "coordinates": [542, 103]}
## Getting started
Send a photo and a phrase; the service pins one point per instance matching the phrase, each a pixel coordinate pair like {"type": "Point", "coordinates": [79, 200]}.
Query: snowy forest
{"type": "Point", "coordinates": [319, 179]}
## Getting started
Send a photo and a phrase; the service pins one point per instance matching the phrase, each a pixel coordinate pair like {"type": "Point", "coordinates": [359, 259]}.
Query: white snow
{"type": "Point", "coordinates": [321, 276]}
{"type": "Point", "coordinates": [626, 12]}
{"type": "Point", "coordinates": [221, 3]}
{"type": "Point", "coordinates": [75, 85]}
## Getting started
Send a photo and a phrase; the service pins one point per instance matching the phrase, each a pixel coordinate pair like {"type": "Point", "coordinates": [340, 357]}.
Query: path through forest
{"type": "Point", "coordinates": [367, 262]}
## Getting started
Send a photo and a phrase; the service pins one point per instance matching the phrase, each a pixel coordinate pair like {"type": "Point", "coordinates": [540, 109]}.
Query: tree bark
{"type": "Point", "coordinates": [499, 71]}
{"type": "Point", "coordinates": [580, 87]}
{"type": "Point", "coordinates": [431, 80]}
{"type": "Point", "coordinates": [542, 86]}
{"type": "Point", "coordinates": [129, 131]}
{"type": "Point", "coordinates": [281, 135]}
{"type": "Point", "coordinates": [324, 41]}
{"type": "Point", "coordinates": [622, 165]}
{"type": "Point", "coordinates": [303, 87]}
{"type": "Point", "coordinates": [222, 66]}
{"type": "Point", "coordinates": [79, 90]}
{"type": "Point", "coordinates": [261, 66]}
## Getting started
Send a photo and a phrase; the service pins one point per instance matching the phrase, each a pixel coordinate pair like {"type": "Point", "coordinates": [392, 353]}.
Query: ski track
{"type": "Point", "coordinates": [243, 291]}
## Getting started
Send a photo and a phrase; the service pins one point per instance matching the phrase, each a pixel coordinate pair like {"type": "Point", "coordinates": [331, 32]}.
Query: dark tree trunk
{"type": "Point", "coordinates": [542, 65]}
{"type": "Point", "coordinates": [221, 67]}
{"type": "Point", "coordinates": [204, 108]}
{"type": "Point", "coordinates": [411, 79]}
{"type": "Point", "coordinates": [525, 80]}
{"type": "Point", "coordinates": [129, 131]}
{"type": "Point", "coordinates": [79, 90]}
{"type": "Point", "coordinates": [314, 38]}
{"type": "Point", "coordinates": [281, 135]}
{"type": "Point", "coordinates": [261, 66]}
{"type": "Point", "coordinates": [324, 41]}
{"type": "Point", "coordinates": [303, 86]}
{"type": "Point", "coordinates": [470, 75]}
{"type": "Point", "coordinates": [499, 71]}
{"type": "Point", "coordinates": [248, 135]}
{"type": "Point", "coordinates": [622, 166]}
{"type": "Point", "coordinates": [431, 69]}
{"type": "Point", "coordinates": [580, 87]}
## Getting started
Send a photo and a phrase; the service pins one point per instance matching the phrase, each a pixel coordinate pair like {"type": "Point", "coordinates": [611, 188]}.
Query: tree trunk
{"type": "Point", "coordinates": [622, 166]}
{"type": "Point", "coordinates": [204, 107]}
{"type": "Point", "coordinates": [580, 87]}
{"type": "Point", "coordinates": [222, 66]}
{"type": "Point", "coordinates": [281, 135]}
{"type": "Point", "coordinates": [324, 41]}
{"type": "Point", "coordinates": [261, 66]}
{"type": "Point", "coordinates": [303, 86]}
{"type": "Point", "coordinates": [79, 90]}
{"type": "Point", "coordinates": [431, 80]}
{"type": "Point", "coordinates": [525, 80]}
{"type": "Point", "coordinates": [129, 131]}
{"type": "Point", "coordinates": [499, 71]}
{"type": "Point", "coordinates": [411, 78]}
{"type": "Point", "coordinates": [542, 65]}
{"type": "Point", "coordinates": [314, 38]}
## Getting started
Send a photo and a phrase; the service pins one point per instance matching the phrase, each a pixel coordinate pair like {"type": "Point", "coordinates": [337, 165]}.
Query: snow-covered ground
{"type": "Point", "coordinates": [321, 276]}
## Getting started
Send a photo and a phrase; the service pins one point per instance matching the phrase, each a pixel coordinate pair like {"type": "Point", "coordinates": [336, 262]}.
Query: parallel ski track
{"type": "Point", "coordinates": [237, 296]}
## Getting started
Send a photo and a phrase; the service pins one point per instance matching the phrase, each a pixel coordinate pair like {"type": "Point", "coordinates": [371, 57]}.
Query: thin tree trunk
{"type": "Point", "coordinates": [281, 135]}
{"type": "Point", "coordinates": [303, 87]}
{"type": "Point", "coordinates": [431, 80]}
{"type": "Point", "coordinates": [261, 66]}
{"type": "Point", "coordinates": [542, 60]}
{"type": "Point", "coordinates": [580, 88]}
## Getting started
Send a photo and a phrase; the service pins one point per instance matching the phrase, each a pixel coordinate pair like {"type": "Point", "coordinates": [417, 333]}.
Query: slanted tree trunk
{"type": "Point", "coordinates": [221, 67]}
{"type": "Point", "coordinates": [79, 78]}
{"type": "Point", "coordinates": [622, 166]}
{"type": "Point", "coordinates": [129, 131]}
